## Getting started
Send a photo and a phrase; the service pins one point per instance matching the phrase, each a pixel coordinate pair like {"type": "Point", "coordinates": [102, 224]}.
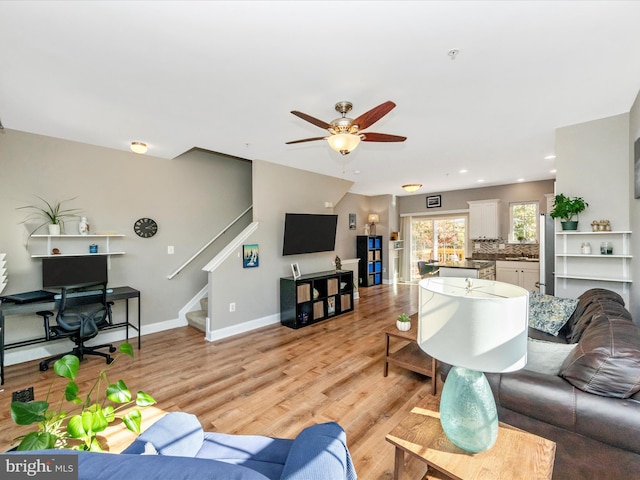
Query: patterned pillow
{"type": "Point", "coordinates": [549, 313]}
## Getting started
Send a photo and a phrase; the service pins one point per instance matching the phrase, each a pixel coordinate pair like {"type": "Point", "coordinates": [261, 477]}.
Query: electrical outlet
{"type": "Point", "coordinates": [232, 307]}
{"type": "Point", "coordinates": [171, 250]}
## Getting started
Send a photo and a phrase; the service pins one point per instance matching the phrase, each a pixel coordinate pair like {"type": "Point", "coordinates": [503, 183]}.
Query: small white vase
{"type": "Point", "coordinates": [83, 226]}
{"type": "Point", "coordinates": [403, 326]}
{"type": "Point", "coordinates": [54, 229]}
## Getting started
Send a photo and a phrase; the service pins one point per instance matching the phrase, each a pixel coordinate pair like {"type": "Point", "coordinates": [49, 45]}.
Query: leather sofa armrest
{"type": "Point", "coordinates": [553, 400]}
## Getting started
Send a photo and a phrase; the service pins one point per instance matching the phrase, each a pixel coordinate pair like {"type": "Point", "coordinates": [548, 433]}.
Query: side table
{"type": "Point", "coordinates": [516, 455]}
{"type": "Point", "coordinates": [410, 356]}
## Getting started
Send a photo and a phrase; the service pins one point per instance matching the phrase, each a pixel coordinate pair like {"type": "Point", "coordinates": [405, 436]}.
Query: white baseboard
{"type": "Point", "coordinates": [225, 332]}
{"type": "Point", "coordinates": [48, 349]}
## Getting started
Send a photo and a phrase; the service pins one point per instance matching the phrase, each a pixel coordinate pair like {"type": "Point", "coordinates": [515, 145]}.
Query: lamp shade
{"type": "Point", "coordinates": [343, 142]}
{"type": "Point", "coordinates": [374, 218]}
{"type": "Point", "coordinates": [473, 323]}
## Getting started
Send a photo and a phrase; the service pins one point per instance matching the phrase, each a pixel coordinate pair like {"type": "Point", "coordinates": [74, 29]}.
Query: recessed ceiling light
{"type": "Point", "coordinates": [138, 147]}
{"type": "Point", "coordinates": [481, 180]}
{"type": "Point", "coordinates": [520, 180]}
{"type": "Point", "coordinates": [550, 157]}
{"type": "Point", "coordinates": [464, 170]}
{"type": "Point", "coordinates": [356, 172]}
{"type": "Point", "coordinates": [553, 171]}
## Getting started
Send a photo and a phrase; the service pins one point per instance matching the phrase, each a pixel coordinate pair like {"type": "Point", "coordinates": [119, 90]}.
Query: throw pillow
{"type": "Point", "coordinates": [546, 357]}
{"type": "Point", "coordinates": [549, 313]}
{"type": "Point", "coordinates": [607, 360]}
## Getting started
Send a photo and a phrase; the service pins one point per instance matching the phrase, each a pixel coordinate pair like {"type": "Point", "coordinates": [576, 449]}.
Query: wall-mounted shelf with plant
{"type": "Point", "coordinates": [567, 210]}
{"type": "Point", "coordinates": [50, 214]}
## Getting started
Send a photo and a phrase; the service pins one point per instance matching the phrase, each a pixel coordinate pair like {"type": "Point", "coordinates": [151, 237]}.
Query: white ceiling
{"type": "Point", "coordinates": [224, 76]}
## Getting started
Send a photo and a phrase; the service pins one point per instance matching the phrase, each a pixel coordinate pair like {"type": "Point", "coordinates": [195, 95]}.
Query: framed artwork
{"type": "Point", "coordinates": [296, 270]}
{"type": "Point", "coordinates": [352, 221]}
{"type": "Point", "coordinates": [433, 201]}
{"type": "Point", "coordinates": [250, 255]}
{"type": "Point", "coordinates": [636, 167]}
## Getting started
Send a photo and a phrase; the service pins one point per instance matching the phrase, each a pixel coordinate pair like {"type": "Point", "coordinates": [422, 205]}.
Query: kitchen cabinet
{"type": "Point", "coordinates": [525, 274]}
{"type": "Point", "coordinates": [484, 219]}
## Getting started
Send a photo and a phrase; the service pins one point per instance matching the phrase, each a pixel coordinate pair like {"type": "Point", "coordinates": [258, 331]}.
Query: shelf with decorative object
{"type": "Point", "coordinates": [315, 297]}
{"type": "Point", "coordinates": [573, 262]}
{"type": "Point", "coordinates": [369, 251]}
{"type": "Point", "coordinates": [68, 245]}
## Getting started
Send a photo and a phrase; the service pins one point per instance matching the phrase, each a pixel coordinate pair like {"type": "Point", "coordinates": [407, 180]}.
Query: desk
{"type": "Point", "coordinates": [516, 455]}
{"type": "Point", "coordinates": [6, 309]}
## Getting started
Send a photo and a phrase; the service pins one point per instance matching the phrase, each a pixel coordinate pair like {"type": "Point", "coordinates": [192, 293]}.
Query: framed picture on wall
{"type": "Point", "coordinates": [433, 201]}
{"type": "Point", "coordinates": [250, 256]}
{"type": "Point", "coordinates": [352, 221]}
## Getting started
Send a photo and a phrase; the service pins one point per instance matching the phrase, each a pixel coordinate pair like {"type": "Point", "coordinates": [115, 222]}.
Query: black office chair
{"type": "Point", "coordinates": [82, 313]}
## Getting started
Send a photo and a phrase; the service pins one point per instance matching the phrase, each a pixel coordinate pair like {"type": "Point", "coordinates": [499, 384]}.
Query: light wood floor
{"type": "Point", "coordinates": [273, 381]}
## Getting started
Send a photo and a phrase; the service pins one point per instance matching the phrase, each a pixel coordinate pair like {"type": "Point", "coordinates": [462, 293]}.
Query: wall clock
{"type": "Point", "coordinates": [145, 227]}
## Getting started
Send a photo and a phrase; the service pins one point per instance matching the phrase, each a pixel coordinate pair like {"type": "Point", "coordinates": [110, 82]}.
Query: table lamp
{"type": "Point", "coordinates": [476, 326]}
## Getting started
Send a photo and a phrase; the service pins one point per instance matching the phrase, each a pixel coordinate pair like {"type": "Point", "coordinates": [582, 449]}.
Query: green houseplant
{"type": "Point", "coordinates": [57, 428]}
{"type": "Point", "coordinates": [403, 322]}
{"type": "Point", "coordinates": [567, 210]}
{"type": "Point", "coordinates": [50, 213]}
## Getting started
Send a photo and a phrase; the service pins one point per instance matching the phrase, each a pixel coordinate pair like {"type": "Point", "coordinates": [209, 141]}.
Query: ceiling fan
{"type": "Point", "coordinates": [346, 133]}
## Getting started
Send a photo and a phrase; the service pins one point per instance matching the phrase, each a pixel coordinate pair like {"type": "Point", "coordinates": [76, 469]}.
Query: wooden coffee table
{"type": "Point", "coordinates": [516, 455]}
{"type": "Point", "coordinates": [410, 356]}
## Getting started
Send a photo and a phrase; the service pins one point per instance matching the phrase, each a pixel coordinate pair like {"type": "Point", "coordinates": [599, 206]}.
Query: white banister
{"type": "Point", "coordinates": [195, 255]}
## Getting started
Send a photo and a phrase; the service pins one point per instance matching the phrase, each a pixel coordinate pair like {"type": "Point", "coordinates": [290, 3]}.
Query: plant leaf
{"type": "Point", "coordinates": [109, 413]}
{"type": "Point", "coordinates": [118, 392]}
{"type": "Point", "coordinates": [98, 422]}
{"type": "Point", "coordinates": [71, 392]}
{"type": "Point", "coordinates": [67, 366]}
{"type": "Point", "coordinates": [132, 420]}
{"type": "Point", "coordinates": [144, 399]}
{"type": "Point", "coordinates": [26, 413]}
{"type": "Point", "coordinates": [37, 441]}
{"type": "Point", "coordinates": [75, 427]}
{"type": "Point", "coordinates": [127, 349]}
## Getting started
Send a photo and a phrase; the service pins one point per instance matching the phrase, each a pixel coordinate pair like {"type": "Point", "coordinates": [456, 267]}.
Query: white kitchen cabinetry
{"type": "Point", "coordinates": [574, 267]}
{"type": "Point", "coordinates": [484, 219]}
{"type": "Point", "coordinates": [524, 274]}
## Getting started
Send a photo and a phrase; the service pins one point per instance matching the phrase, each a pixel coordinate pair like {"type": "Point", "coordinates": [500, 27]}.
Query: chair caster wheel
{"type": "Point", "coordinates": [44, 367]}
{"type": "Point", "coordinates": [112, 349]}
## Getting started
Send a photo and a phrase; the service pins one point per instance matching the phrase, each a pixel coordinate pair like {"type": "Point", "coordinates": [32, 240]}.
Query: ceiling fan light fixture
{"type": "Point", "coordinates": [412, 187]}
{"type": "Point", "coordinates": [138, 147]}
{"type": "Point", "coordinates": [344, 143]}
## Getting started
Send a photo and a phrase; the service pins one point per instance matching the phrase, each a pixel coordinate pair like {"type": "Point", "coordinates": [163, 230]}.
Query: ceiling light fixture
{"type": "Point", "coordinates": [344, 143]}
{"type": "Point", "coordinates": [412, 187]}
{"type": "Point", "coordinates": [139, 147]}
{"type": "Point", "coordinates": [550, 157]}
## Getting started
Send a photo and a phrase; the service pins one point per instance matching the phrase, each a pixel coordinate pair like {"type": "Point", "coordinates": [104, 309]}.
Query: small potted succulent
{"type": "Point", "coordinates": [403, 322]}
{"type": "Point", "coordinates": [567, 210]}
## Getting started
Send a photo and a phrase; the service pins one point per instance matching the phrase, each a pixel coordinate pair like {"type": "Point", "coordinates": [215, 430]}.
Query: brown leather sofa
{"type": "Point", "coordinates": [591, 409]}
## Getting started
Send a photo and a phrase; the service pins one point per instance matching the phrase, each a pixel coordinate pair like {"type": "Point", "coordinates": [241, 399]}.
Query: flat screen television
{"type": "Point", "coordinates": [309, 233]}
{"type": "Point", "coordinates": [58, 272]}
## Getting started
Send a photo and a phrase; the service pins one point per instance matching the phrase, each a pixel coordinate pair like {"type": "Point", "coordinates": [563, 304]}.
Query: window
{"type": "Point", "coordinates": [523, 221]}
{"type": "Point", "coordinates": [440, 239]}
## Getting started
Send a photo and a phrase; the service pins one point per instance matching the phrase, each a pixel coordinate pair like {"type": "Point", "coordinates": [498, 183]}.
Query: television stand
{"type": "Point", "coordinates": [312, 298]}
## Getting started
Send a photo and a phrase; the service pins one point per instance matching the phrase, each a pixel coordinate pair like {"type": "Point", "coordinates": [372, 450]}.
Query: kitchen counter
{"type": "Point", "coordinates": [507, 259]}
{"type": "Point", "coordinates": [469, 268]}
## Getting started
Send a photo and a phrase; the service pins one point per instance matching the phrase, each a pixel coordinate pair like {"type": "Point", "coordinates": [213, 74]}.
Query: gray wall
{"type": "Point", "coordinates": [192, 198]}
{"type": "Point", "coordinates": [457, 200]}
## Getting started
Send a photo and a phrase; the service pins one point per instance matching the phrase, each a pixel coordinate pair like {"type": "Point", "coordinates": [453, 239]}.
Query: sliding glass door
{"type": "Point", "coordinates": [437, 239]}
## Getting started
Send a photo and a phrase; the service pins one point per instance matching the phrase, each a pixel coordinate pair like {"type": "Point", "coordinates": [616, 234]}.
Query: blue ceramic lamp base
{"type": "Point", "coordinates": [468, 411]}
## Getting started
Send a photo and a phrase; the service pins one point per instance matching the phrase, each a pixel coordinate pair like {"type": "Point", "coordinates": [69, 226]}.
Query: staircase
{"type": "Point", "coordinates": [198, 318]}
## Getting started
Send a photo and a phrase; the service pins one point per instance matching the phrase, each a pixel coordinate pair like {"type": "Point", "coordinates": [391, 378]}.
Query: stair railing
{"type": "Point", "coordinates": [208, 244]}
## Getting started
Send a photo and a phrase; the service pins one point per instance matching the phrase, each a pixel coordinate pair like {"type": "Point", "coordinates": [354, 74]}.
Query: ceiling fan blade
{"type": "Point", "coordinates": [381, 137]}
{"type": "Point", "coordinates": [305, 140]}
{"type": "Point", "coordinates": [310, 119]}
{"type": "Point", "coordinates": [372, 116]}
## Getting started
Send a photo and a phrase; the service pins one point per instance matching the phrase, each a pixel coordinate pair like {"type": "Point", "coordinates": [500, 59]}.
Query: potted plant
{"type": "Point", "coordinates": [51, 214]}
{"type": "Point", "coordinates": [567, 210]}
{"type": "Point", "coordinates": [403, 322]}
{"type": "Point", "coordinates": [57, 428]}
